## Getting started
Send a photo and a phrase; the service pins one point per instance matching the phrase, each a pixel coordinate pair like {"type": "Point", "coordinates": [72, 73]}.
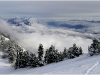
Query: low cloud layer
{"type": "Point", "coordinates": [48, 36]}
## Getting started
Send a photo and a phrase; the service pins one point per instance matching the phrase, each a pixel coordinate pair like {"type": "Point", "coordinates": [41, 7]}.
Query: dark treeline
{"type": "Point", "coordinates": [22, 58]}
{"type": "Point", "coordinates": [28, 59]}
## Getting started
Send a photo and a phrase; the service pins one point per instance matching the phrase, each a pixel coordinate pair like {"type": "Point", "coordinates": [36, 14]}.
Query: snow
{"type": "Point", "coordinates": [5, 67]}
{"type": "Point", "coordinates": [6, 39]}
{"type": "Point", "coordinates": [90, 70]}
{"type": "Point", "coordinates": [60, 37]}
{"type": "Point", "coordinates": [84, 64]}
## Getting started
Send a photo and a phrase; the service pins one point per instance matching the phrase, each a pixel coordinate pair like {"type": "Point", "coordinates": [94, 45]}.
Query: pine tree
{"type": "Point", "coordinates": [11, 52]}
{"type": "Point", "coordinates": [94, 48]}
{"type": "Point", "coordinates": [20, 58]}
{"type": "Point", "coordinates": [51, 55]}
{"type": "Point", "coordinates": [2, 40]}
{"type": "Point", "coordinates": [2, 43]}
{"type": "Point", "coordinates": [70, 53]}
{"type": "Point", "coordinates": [26, 58]}
{"type": "Point", "coordinates": [40, 54]}
{"type": "Point", "coordinates": [33, 60]}
{"type": "Point", "coordinates": [80, 51]}
{"type": "Point", "coordinates": [75, 50]}
{"type": "Point", "coordinates": [65, 53]}
{"type": "Point", "coordinates": [91, 50]}
{"type": "Point", "coordinates": [61, 56]}
{"type": "Point", "coordinates": [46, 57]}
{"type": "Point", "coordinates": [56, 55]}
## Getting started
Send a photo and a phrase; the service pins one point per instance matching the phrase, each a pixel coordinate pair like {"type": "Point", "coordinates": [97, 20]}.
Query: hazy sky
{"type": "Point", "coordinates": [49, 8]}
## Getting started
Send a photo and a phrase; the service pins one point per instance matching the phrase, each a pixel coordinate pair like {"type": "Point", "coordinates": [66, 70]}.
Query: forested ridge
{"type": "Point", "coordinates": [21, 58]}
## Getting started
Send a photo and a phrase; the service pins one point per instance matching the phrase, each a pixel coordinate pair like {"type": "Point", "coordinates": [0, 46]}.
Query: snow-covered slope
{"type": "Point", "coordinates": [80, 65]}
{"type": "Point", "coordinates": [29, 35]}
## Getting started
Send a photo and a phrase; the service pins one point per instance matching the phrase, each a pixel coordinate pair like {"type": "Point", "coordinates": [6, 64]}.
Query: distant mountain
{"type": "Point", "coordinates": [28, 25]}
{"type": "Point", "coordinates": [20, 21]}
{"type": "Point", "coordinates": [66, 25]}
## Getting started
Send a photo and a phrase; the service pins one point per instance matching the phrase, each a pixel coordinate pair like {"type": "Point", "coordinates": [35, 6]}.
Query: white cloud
{"type": "Point", "coordinates": [46, 35]}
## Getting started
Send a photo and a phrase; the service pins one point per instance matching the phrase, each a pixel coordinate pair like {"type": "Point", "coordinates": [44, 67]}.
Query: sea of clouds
{"type": "Point", "coordinates": [30, 36]}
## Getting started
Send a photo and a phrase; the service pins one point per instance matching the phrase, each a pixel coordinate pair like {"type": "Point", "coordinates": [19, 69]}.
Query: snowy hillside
{"type": "Point", "coordinates": [29, 33]}
{"type": "Point", "coordinates": [81, 65]}
{"type": "Point", "coordinates": [84, 64]}
{"type": "Point", "coordinates": [49, 37]}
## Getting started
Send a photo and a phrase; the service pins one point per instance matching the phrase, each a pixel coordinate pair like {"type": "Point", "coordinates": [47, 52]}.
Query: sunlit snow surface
{"type": "Point", "coordinates": [80, 65]}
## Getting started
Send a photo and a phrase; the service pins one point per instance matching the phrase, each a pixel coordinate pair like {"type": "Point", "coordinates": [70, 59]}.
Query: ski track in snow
{"type": "Point", "coordinates": [79, 65]}
{"type": "Point", "coordinates": [91, 68]}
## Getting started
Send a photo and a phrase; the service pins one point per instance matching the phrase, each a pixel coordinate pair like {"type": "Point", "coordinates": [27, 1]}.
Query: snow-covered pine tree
{"type": "Point", "coordinates": [40, 54]}
{"type": "Point", "coordinates": [95, 43]}
{"type": "Point", "coordinates": [2, 44]}
{"type": "Point", "coordinates": [91, 50]}
{"type": "Point", "coordinates": [94, 48]}
{"type": "Point", "coordinates": [61, 57]}
{"type": "Point", "coordinates": [50, 55]}
{"type": "Point", "coordinates": [11, 52]}
{"type": "Point", "coordinates": [26, 58]}
{"type": "Point", "coordinates": [46, 57]}
{"type": "Point", "coordinates": [80, 50]}
{"type": "Point", "coordinates": [75, 50]}
{"type": "Point", "coordinates": [33, 60]}
{"type": "Point", "coordinates": [56, 56]}
{"type": "Point", "coordinates": [65, 53]}
{"type": "Point", "coordinates": [20, 58]}
{"type": "Point", "coordinates": [2, 39]}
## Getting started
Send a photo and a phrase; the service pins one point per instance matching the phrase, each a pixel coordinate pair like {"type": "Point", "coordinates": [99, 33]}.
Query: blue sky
{"type": "Point", "coordinates": [49, 8]}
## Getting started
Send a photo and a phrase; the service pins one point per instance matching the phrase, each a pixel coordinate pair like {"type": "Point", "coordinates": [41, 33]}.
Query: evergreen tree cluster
{"type": "Point", "coordinates": [52, 54]}
{"type": "Point", "coordinates": [94, 48]}
{"type": "Point", "coordinates": [3, 46]}
{"type": "Point", "coordinates": [74, 51]}
{"type": "Point", "coordinates": [28, 59]}
{"type": "Point", "coordinates": [21, 58]}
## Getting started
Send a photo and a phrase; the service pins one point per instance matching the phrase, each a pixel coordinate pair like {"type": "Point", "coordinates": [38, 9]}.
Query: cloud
{"type": "Point", "coordinates": [48, 36]}
{"type": "Point", "coordinates": [5, 29]}
{"type": "Point", "coordinates": [32, 41]}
